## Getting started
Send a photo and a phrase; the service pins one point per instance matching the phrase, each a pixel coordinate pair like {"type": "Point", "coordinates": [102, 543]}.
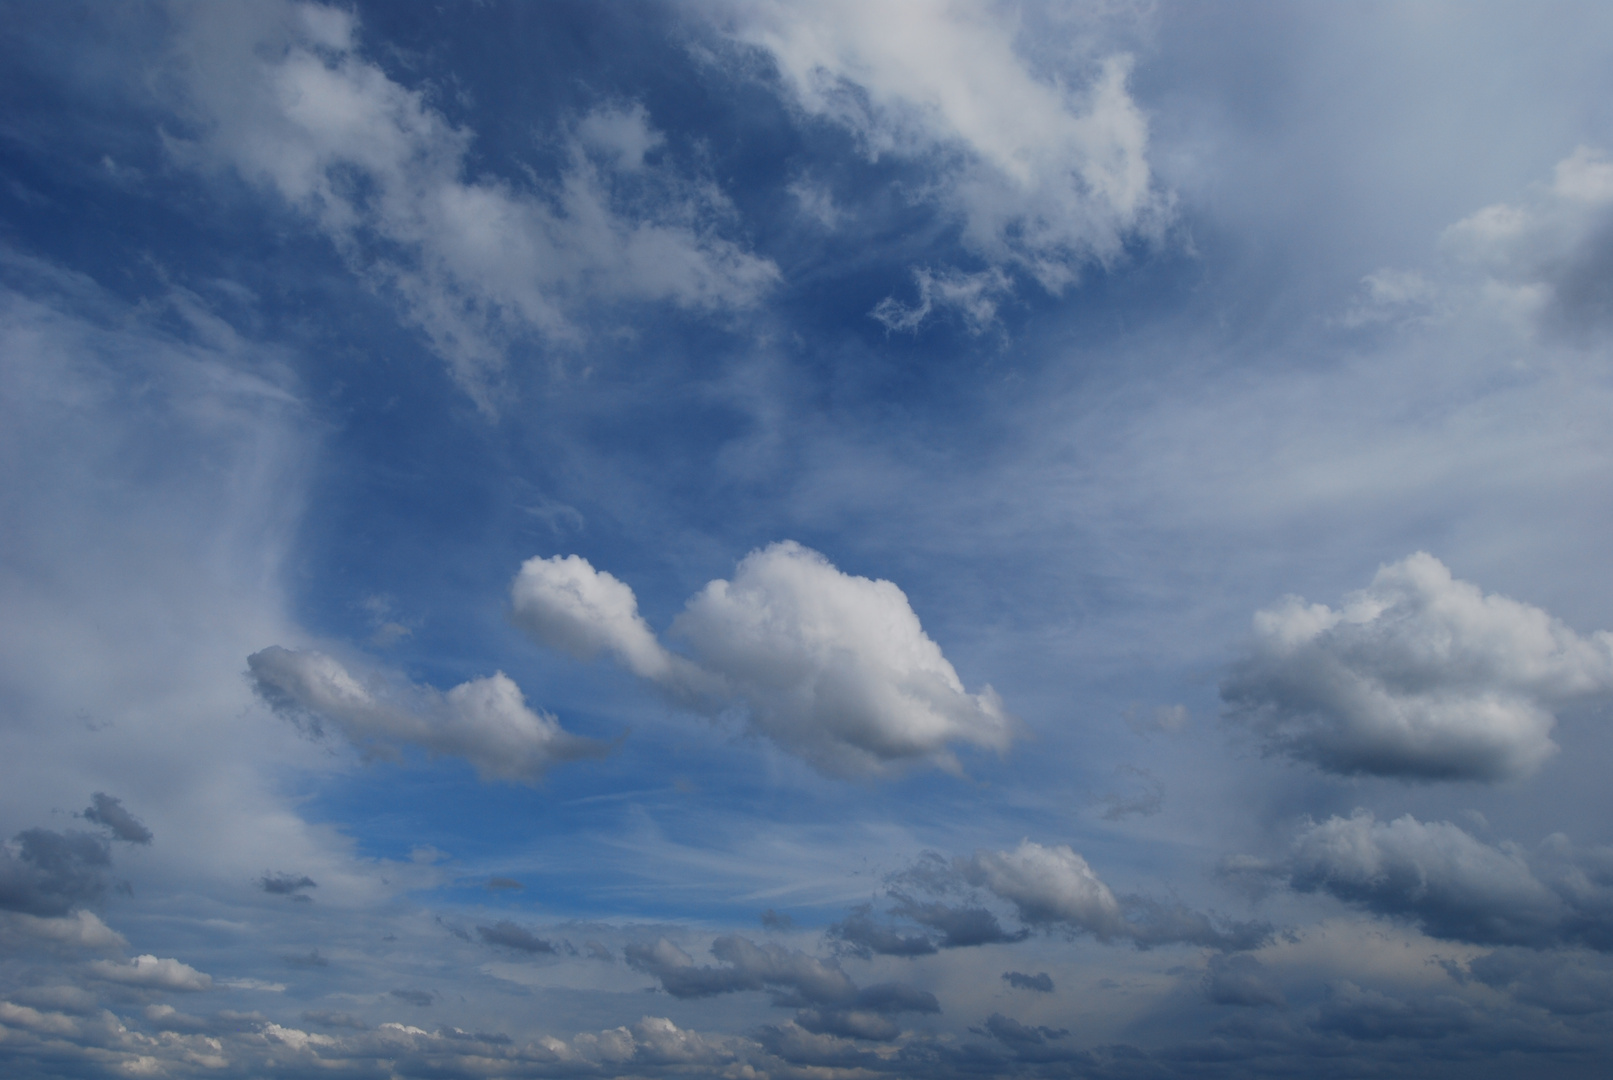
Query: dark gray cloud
{"type": "Point", "coordinates": [1563, 982]}
{"type": "Point", "coordinates": [1239, 979]}
{"type": "Point", "coordinates": [1041, 982]}
{"type": "Point", "coordinates": [860, 935]}
{"type": "Point", "coordinates": [960, 925]}
{"type": "Point", "coordinates": [1007, 1030]}
{"type": "Point", "coordinates": [310, 960]}
{"type": "Point", "coordinates": [503, 884]}
{"type": "Point", "coordinates": [830, 1003]}
{"type": "Point", "coordinates": [1053, 888]}
{"type": "Point", "coordinates": [776, 920]}
{"type": "Point", "coordinates": [791, 974]}
{"type": "Point", "coordinates": [1455, 886]}
{"type": "Point", "coordinates": [1418, 676]}
{"type": "Point", "coordinates": [414, 997]}
{"type": "Point", "coordinates": [109, 812]}
{"type": "Point", "coordinates": [282, 884]}
{"type": "Point", "coordinates": [49, 873]}
{"type": "Point", "coordinates": [1371, 1015]}
{"type": "Point", "coordinates": [511, 936]}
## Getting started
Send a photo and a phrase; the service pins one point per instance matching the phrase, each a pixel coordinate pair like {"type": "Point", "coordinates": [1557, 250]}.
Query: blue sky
{"type": "Point", "coordinates": [783, 540]}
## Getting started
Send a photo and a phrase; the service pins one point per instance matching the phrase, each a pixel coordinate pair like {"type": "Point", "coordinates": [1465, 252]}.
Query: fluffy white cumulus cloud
{"type": "Point", "coordinates": [1048, 885]}
{"type": "Point", "coordinates": [158, 973]}
{"type": "Point", "coordinates": [1418, 675]}
{"type": "Point", "coordinates": [485, 721]}
{"type": "Point", "coordinates": [284, 96]}
{"type": "Point", "coordinates": [566, 604]}
{"type": "Point", "coordinates": [833, 667]}
{"type": "Point", "coordinates": [1456, 886]}
{"type": "Point", "coordinates": [1045, 169]}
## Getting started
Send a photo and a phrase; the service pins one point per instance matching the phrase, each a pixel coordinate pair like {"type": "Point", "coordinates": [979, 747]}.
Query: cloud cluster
{"type": "Point", "coordinates": [48, 873]}
{"type": "Point", "coordinates": [1551, 259]}
{"type": "Point", "coordinates": [485, 721]}
{"type": "Point", "coordinates": [1046, 170]}
{"type": "Point", "coordinates": [283, 95]}
{"type": "Point", "coordinates": [1455, 886]}
{"type": "Point", "coordinates": [1048, 888]}
{"type": "Point", "coordinates": [1418, 675]}
{"type": "Point", "coordinates": [829, 1001]}
{"type": "Point", "coordinates": [154, 973]}
{"type": "Point", "coordinates": [832, 667]}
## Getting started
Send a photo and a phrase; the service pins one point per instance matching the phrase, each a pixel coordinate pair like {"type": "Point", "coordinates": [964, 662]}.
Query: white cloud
{"type": "Point", "coordinates": [79, 929]}
{"type": "Point", "coordinates": [150, 971]}
{"type": "Point", "coordinates": [1048, 885]}
{"type": "Point", "coordinates": [566, 604]}
{"type": "Point", "coordinates": [833, 667]}
{"type": "Point", "coordinates": [485, 721]}
{"type": "Point", "coordinates": [284, 97]}
{"type": "Point", "coordinates": [973, 296]}
{"type": "Point", "coordinates": [1045, 170]}
{"type": "Point", "coordinates": [1418, 675]}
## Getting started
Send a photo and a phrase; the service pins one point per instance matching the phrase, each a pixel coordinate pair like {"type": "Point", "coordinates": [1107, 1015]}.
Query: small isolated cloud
{"type": "Point", "coordinates": [1041, 982]}
{"type": "Point", "coordinates": [485, 721]}
{"type": "Point", "coordinates": [511, 936]}
{"type": "Point", "coordinates": [1045, 171]}
{"type": "Point", "coordinates": [973, 297]}
{"type": "Point", "coordinates": [292, 885]}
{"type": "Point", "coordinates": [48, 873]}
{"type": "Point", "coordinates": [776, 920]}
{"type": "Point", "coordinates": [833, 667]}
{"type": "Point", "coordinates": [106, 811]}
{"type": "Point", "coordinates": [153, 973]}
{"type": "Point", "coordinates": [1455, 886]}
{"type": "Point", "coordinates": [503, 884]}
{"type": "Point", "coordinates": [1419, 676]}
{"type": "Point", "coordinates": [309, 961]}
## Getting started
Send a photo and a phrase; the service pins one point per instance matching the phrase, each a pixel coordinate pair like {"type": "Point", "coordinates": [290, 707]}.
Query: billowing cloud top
{"type": "Point", "coordinates": [1043, 175]}
{"type": "Point", "coordinates": [833, 667]}
{"type": "Point", "coordinates": [485, 721]}
{"type": "Point", "coordinates": [1419, 675]}
{"type": "Point", "coordinates": [1456, 886]}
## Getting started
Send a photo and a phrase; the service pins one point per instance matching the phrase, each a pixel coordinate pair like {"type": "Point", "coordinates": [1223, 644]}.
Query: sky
{"type": "Point", "coordinates": [806, 541]}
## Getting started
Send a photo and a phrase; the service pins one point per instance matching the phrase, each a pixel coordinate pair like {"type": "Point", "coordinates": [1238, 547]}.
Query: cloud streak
{"type": "Point", "coordinates": [485, 721]}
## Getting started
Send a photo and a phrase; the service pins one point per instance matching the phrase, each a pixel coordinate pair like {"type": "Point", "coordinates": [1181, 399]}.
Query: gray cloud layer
{"type": "Point", "coordinates": [1455, 886]}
